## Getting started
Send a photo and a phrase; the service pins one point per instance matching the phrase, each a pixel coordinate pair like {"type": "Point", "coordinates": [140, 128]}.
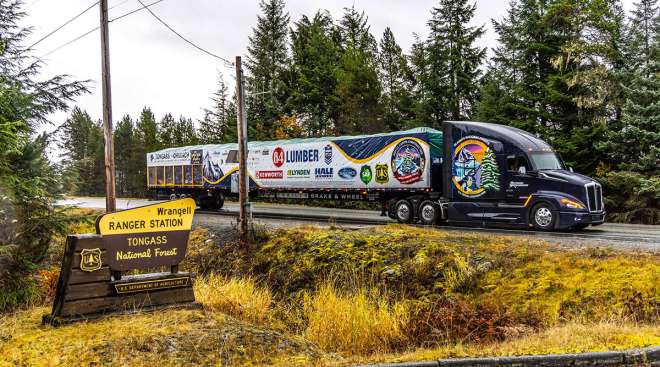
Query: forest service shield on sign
{"type": "Point", "coordinates": [90, 259]}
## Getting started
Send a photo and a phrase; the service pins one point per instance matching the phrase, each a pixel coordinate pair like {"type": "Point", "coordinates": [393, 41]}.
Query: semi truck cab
{"type": "Point", "coordinates": [503, 176]}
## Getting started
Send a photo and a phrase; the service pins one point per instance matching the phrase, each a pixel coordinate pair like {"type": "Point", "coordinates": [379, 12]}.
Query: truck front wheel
{"type": "Point", "coordinates": [403, 211]}
{"type": "Point", "coordinates": [429, 213]}
{"type": "Point", "coordinates": [543, 217]}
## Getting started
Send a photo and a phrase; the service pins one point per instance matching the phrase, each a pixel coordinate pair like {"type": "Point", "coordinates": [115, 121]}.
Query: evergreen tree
{"type": "Point", "coordinates": [167, 129]}
{"type": "Point", "coordinates": [454, 61]}
{"type": "Point", "coordinates": [28, 187]}
{"type": "Point", "coordinates": [147, 131]}
{"type": "Point", "coordinates": [556, 74]}
{"type": "Point", "coordinates": [490, 172]}
{"type": "Point", "coordinates": [315, 57]}
{"type": "Point", "coordinates": [416, 81]}
{"type": "Point", "coordinates": [146, 137]}
{"type": "Point", "coordinates": [267, 66]}
{"type": "Point", "coordinates": [124, 146]}
{"type": "Point", "coordinates": [358, 88]}
{"type": "Point", "coordinates": [217, 119]}
{"type": "Point", "coordinates": [184, 133]}
{"type": "Point", "coordinates": [230, 130]}
{"type": "Point", "coordinates": [392, 72]}
{"type": "Point", "coordinates": [636, 146]}
{"type": "Point", "coordinates": [643, 30]}
{"type": "Point", "coordinates": [81, 140]}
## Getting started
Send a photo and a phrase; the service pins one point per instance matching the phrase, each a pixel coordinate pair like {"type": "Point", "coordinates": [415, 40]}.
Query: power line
{"type": "Point", "coordinates": [64, 25]}
{"type": "Point", "coordinates": [96, 28]}
{"type": "Point", "coordinates": [227, 62]}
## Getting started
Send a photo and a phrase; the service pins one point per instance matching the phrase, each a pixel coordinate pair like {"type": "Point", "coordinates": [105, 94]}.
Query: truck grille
{"type": "Point", "coordinates": [594, 197]}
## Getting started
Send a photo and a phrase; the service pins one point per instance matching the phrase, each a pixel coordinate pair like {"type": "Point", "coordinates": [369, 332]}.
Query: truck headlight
{"type": "Point", "coordinates": [571, 203]}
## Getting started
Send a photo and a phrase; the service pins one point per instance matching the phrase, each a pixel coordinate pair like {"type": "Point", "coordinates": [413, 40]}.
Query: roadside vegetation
{"type": "Point", "coordinates": [333, 296]}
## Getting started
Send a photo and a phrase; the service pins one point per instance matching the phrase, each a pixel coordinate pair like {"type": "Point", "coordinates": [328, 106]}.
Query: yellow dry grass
{"type": "Point", "coordinates": [358, 323]}
{"type": "Point", "coordinates": [568, 338]}
{"type": "Point", "coordinates": [238, 297]}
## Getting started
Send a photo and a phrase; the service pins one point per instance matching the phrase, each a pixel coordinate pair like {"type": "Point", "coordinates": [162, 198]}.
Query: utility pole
{"type": "Point", "coordinates": [110, 200]}
{"type": "Point", "coordinates": [241, 120]}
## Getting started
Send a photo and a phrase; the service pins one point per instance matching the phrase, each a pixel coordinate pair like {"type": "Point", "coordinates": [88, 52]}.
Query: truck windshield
{"type": "Point", "coordinates": [546, 160]}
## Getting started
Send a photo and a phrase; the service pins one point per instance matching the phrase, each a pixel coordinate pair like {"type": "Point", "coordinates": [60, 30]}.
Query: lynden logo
{"type": "Point", "coordinates": [323, 172]}
{"type": "Point", "coordinates": [347, 173]}
{"type": "Point", "coordinates": [298, 173]}
{"type": "Point", "coordinates": [90, 260]}
{"type": "Point", "coordinates": [270, 175]}
{"type": "Point", "coordinates": [278, 157]}
{"type": "Point", "coordinates": [328, 154]}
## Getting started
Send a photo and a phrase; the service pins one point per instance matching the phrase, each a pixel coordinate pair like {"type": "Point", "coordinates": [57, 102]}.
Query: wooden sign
{"type": "Point", "coordinates": [91, 281]}
{"type": "Point", "coordinates": [147, 237]}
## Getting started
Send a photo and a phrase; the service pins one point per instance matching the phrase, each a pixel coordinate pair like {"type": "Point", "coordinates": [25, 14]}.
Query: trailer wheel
{"type": "Point", "coordinates": [391, 208]}
{"type": "Point", "coordinates": [403, 211]}
{"type": "Point", "coordinates": [219, 201]}
{"type": "Point", "coordinates": [543, 218]}
{"type": "Point", "coordinates": [172, 196]}
{"type": "Point", "coordinates": [429, 212]}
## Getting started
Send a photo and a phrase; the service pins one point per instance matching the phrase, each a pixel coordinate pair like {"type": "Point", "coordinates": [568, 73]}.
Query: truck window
{"type": "Point", "coordinates": [546, 160]}
{"type": "Point", "coordinates": [514, 162]}
{"type": "Point", "coordinates": [232, 157]}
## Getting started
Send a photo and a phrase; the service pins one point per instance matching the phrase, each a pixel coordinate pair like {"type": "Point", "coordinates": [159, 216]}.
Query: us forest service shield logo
{"type": "Point", "coordinates": [365, 174]}
{"type": "Point", "coordinates": [90, 259]}
{"type": "Point", "coordinates": [382, 175]}
{"type": "Point", "coordinates": [408, 162]}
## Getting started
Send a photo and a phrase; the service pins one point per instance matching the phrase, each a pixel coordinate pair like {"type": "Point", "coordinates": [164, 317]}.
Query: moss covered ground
{"type": "Point", "coordinates": [335, 296]}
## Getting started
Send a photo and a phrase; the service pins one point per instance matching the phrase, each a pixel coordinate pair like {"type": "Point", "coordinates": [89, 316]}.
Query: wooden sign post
{"type": "Point", "coordinates": [91, 280]}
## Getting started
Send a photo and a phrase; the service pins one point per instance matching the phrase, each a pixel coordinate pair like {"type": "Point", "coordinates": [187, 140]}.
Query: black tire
{"type": "Point", "coordinates": [429, 212]}
{"type": "Point", "coordinates": [391, 208]}
{"type": "Point", "coordinates": [543, 217]}
{"type": "Point", "coordinates": [173, 197]}
{"type": "Point", "coordinates": [403, 211]}
{"type": "Point", "coordinates": [219, 201]}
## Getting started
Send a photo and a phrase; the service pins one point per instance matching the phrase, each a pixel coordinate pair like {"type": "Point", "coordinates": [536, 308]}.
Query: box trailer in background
{"type": "Point", "coordinates": [469, 173]}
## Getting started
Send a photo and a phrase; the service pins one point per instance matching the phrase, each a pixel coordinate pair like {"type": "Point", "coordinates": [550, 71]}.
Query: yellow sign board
{"type": "Point", "coordinates": [148, 236]}
{"type": "Point", "coordinates": [174, 215]}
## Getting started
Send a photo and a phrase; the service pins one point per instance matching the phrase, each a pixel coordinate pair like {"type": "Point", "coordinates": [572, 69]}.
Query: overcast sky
{"type": "Point", "coordinates": [150, 66]}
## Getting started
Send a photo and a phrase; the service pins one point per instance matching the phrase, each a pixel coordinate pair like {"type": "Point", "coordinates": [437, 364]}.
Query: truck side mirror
{"type": "Point", "coordinates": [522, 170]}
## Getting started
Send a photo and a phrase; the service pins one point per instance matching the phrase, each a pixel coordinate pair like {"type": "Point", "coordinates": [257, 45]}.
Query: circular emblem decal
{"type": "Point", "coordinates": [278, 157]}
{"type": "Point", "coordinates": [474, 168]}
{"type": "Point", "coordinates": [408, 162]}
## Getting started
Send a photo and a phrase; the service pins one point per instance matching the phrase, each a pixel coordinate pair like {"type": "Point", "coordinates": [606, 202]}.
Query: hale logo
{"type": "Point", "coordinates": [365, 174]}
{"type": "Point", "coordinates": [90, 260]}
{"type": "Point", "coordinates": [323, 172]}
{"type": "Point", "coordinates": [382, 175]}
{"type": "Point", "coordinates": [328, 154]}
{"type": "Point", "coordinates": [278, 157]}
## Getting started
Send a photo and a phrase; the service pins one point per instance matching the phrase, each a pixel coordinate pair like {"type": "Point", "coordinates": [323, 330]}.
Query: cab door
{"type": "Point", "coordinates": [517, 188]}
{"type": "Point", "coordinates": [515, 184]}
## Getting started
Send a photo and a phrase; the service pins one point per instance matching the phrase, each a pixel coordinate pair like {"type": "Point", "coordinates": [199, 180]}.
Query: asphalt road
{"type": "Point", "coordinates": [622, 236]}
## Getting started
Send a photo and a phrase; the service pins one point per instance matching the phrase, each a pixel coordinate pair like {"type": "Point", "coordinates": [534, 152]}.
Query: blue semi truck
{"type": "Point", "coordinates": [470, 173]}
